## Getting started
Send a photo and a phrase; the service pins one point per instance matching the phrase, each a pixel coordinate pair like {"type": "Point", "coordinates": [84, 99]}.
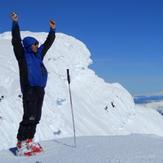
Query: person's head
{"type": "Point", "coordinates": [34, 47]}
{"type": "Point", "coordinates": [30, 44]}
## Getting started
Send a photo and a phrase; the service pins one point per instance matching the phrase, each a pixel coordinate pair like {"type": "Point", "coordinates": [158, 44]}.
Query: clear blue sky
{"type": "Point", "coordinates": [125, 37]}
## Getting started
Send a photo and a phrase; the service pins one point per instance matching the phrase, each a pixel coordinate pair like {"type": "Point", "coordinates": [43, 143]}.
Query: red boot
{"type": "Point", "coordinates": [35, 147]}
{"type": "Point", "coordinates": [23, 150]}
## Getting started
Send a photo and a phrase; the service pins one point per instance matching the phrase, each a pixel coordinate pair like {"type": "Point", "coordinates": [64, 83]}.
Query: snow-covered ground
{"type": "Point", "coordinates": [100, 108]}
{"type": "Point", "coordinates": [97, 149]}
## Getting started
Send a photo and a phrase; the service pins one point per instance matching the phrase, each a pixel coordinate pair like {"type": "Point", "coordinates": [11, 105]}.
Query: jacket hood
{"type": "Point", "coordinates": [28, 42]}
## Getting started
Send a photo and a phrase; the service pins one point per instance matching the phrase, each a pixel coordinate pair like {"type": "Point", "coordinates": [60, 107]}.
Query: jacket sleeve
{"type": "Point", "coordinates": [49, 41]}
{"type": "Point", "coordinates": [16, 41]}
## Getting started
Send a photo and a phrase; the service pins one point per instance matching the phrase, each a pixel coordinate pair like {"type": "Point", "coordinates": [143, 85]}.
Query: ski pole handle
{"type": "Point", "coordinates": [68, 76]}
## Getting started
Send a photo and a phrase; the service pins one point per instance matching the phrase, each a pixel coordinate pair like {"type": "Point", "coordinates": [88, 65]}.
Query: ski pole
{"type": "Point", "coordinates": [73, 121]}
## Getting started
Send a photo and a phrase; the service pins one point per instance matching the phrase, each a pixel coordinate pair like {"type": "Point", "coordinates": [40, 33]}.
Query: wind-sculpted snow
{"type": "Point", "coordinates": [100, 108]}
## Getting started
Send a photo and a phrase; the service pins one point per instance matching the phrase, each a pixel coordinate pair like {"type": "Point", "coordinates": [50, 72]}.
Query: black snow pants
{"type": "Point", "coordinates": [32, 106]}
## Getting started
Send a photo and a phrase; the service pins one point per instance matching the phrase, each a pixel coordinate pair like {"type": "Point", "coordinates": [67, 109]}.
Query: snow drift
{"type": "Point", "coordinates": [100, 108]}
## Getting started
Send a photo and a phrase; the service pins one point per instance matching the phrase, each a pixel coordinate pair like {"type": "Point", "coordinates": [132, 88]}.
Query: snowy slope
{"type": "Point", "coordinates": [99, 149]}
{"type": "Point", "coordinates": [100, 108]}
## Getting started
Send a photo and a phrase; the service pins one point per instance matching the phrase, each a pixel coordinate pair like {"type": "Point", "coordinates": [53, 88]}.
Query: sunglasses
{"type": "Point", "coordinates": [36, 43]}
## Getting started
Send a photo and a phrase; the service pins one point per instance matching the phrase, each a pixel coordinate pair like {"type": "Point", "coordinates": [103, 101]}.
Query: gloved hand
{"type": "Point", "coordinates": [14, 16]}
{"type": "Point", "coordinates": [52, 24]}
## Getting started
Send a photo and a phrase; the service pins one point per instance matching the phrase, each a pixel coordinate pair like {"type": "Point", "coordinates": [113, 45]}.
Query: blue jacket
{"type": "Point", "coordinates": [31, 68]}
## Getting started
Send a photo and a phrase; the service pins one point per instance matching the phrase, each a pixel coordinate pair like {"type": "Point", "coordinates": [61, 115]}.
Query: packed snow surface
{"type": "Point", "coordinates": [97, 149]}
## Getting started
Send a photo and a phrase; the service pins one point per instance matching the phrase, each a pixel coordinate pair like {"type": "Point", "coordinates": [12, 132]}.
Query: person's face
{"type": "Point", "coordinates": [35, 47]}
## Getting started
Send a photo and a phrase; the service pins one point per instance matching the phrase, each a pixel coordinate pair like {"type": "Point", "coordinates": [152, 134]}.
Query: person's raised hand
{"type": "Point", "coordinates": [52, 24]}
